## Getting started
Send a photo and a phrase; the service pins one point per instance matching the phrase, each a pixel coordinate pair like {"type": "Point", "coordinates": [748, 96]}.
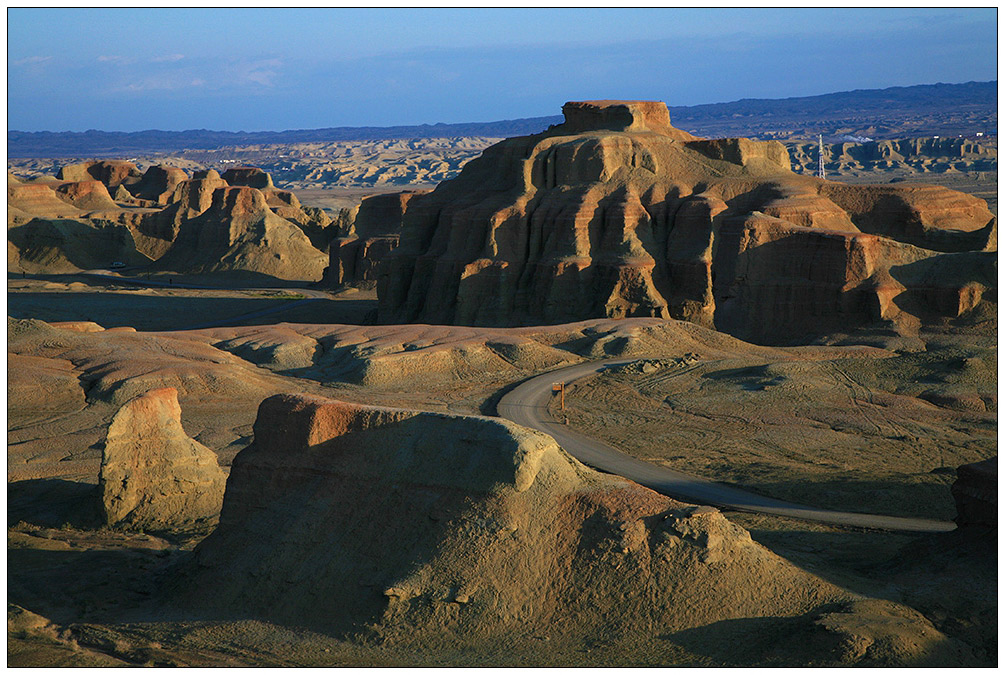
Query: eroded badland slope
{"type": "Point", "coordinates": [164, 220]}
{"type": "Point", "coordinates": [440, 532]}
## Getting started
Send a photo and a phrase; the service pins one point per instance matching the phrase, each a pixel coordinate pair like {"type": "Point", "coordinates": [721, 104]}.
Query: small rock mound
{"type": "Point", "coordinates": [153, 476]}
{"type": "Point", "coordinates": [88, 195]}
{"type": "Point", "coordinates": [875, 633]}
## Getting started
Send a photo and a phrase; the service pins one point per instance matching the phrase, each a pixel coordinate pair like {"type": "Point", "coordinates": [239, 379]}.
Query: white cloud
{"type": "Point", "coordinates": [31, 61]}
{"type": "Point", "coordinates": [168, 58]}
{"type": "Point", "coordinates": [162, 82]}
{"type": "Point", "coordinates": [262, 73]}
{"type": "Point", "coordinates": [262, 77]}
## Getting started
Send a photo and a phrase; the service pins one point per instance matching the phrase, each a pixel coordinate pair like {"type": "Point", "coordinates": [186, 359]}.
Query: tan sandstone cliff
{"type": "Point", "coordinates": [353, 259]}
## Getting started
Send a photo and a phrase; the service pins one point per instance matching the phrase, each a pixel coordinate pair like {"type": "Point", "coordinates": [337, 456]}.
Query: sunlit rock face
{"type": "Point", "coordinates": [615, 213]}
{"type": "Point", "coordinates": [153, 476]}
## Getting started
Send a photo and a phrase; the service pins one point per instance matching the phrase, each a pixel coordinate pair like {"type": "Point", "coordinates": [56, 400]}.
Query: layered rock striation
{"type": "Point", "coordinates": [239, 232]}
{"type": "Point", "coordinates": [615, 213]}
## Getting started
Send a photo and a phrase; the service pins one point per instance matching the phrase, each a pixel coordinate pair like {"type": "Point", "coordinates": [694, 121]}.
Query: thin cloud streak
{"type": "Point", "coordinates": [32, 61]}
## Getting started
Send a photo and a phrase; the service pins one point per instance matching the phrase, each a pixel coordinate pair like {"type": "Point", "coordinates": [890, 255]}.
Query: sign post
{"type": "Point", "coordinates": [560, 388]}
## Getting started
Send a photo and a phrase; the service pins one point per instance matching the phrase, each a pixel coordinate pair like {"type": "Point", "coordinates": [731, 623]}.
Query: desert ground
{"type": "Point", "coordinates": [97, 587]}
{"type": "Point", "coordinates": [378, 512]}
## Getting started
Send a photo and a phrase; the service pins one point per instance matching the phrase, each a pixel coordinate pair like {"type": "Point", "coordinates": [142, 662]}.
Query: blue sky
{"type": "Point", "coordinates": [257, 69]}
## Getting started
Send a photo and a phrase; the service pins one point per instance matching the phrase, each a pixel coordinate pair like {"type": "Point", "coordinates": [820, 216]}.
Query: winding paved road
{"type": "Point", "coordinates": [527, 405]}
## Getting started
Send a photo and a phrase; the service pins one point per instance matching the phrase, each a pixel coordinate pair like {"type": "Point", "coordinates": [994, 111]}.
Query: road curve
{"type": "Point", "coordinates": [527, 404]}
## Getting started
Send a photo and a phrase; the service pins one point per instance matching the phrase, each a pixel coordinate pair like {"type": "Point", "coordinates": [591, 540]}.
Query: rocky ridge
{"type": "Point", "coordinates": [417, 163]}
{"type": "Point", "coordinates": [915, 155]}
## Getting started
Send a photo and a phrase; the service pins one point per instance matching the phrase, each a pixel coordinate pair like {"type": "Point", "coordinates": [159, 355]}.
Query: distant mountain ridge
{"type": "Point", "coordinates": [947, 109]}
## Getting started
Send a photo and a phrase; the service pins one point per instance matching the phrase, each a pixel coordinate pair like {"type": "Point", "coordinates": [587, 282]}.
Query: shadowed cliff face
{"type": "Point", "coordinates": [617, 214]}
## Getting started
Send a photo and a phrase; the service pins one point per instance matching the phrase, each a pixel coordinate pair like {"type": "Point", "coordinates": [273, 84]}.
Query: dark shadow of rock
{"type": "Point", "coordinates": [54, 502]}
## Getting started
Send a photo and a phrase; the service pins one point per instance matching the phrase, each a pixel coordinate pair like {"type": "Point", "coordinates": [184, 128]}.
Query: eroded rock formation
{"type": "Point", "coordinates": [615, 213]}
{"type": "Point", "coordinates": [918, 155]}
{"type": "Point", "coordinates": [110, 212]}
{"type": "Point", "coordinates": [248, 176]}
{"type": "Point", "coordinates": [153, 476]}
{"type": "Point", "coordinates": [354, 258]}
{"type": "Point", "coordinates": [87, 195]}
{"type": "Point", "coordinates": [468, 524]}
{"type": "Point", "coordinates": [112, 173]}
{"type": "Point", "coordinates": [342, 516]}
{"type": "Point", "coordinates": [240, 232]}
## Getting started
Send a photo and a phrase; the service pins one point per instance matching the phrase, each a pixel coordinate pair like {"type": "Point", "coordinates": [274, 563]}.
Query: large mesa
{"type": "Point", "coordinates": [615, 213]}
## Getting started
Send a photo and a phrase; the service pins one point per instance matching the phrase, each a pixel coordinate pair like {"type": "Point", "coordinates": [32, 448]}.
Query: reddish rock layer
{"type": "Point", "coordinates": [88, 195]}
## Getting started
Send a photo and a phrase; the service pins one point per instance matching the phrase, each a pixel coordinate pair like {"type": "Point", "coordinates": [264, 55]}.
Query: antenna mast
{"type": "Point", "coordinates": [820, 167]}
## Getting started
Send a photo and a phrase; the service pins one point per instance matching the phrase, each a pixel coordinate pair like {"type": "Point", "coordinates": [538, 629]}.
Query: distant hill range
{"type": "Point", "coordinates": [965, 109]}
